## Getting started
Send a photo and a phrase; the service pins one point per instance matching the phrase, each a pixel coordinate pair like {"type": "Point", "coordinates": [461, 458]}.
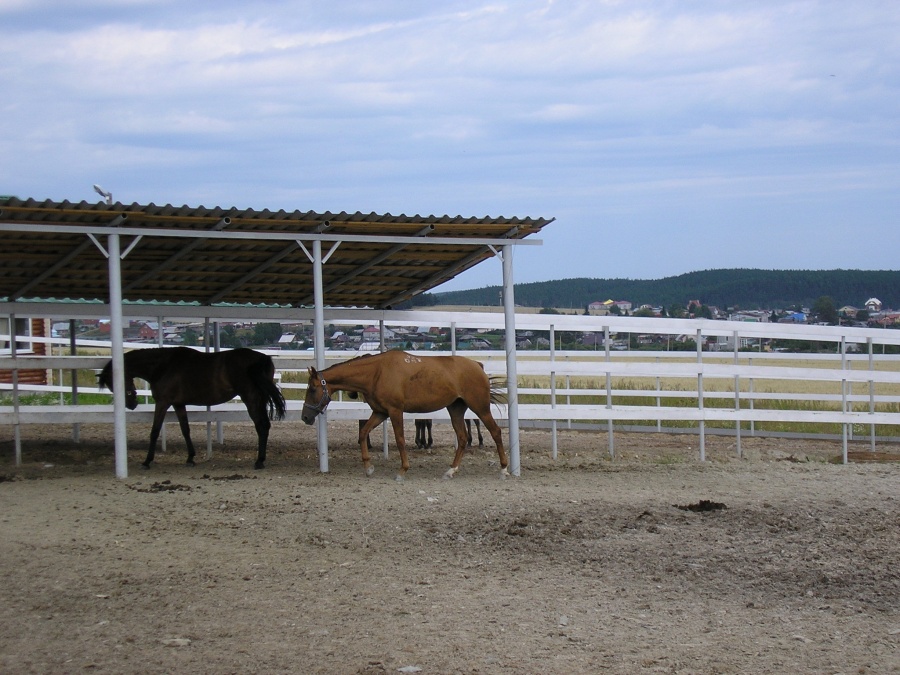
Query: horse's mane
{"type": "Point", "coordinates": [147, 363]}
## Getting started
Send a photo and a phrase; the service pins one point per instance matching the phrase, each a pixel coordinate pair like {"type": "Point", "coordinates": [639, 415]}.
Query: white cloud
{"type": "Point", "coordinates": [579, 109]}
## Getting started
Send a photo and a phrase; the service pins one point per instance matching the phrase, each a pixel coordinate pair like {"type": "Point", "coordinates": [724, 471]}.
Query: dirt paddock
{"type": "Point", "coordinates": [780, 562]}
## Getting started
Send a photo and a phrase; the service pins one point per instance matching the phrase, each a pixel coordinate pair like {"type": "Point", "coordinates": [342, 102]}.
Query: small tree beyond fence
{"type": "Point", "coordinates": [606, 373]}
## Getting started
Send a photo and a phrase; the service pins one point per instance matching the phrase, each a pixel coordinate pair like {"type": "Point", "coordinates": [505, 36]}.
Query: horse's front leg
{"type": "Point", "coordinates": [181, 413]}
{"type": "Point", "coordinates": [159, 416]}
{"type": "Point", "coordinates": [400, 437]}
{"type": "Point", "coordinates": [364, 430]}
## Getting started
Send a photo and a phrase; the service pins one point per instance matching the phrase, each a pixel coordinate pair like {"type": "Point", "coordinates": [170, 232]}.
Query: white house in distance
{"type": "Point", "coordinates": [603, 306]}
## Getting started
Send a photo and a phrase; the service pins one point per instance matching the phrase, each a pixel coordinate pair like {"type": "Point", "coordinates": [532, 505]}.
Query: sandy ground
{"type": "Point", "coordinates": [583, 564]}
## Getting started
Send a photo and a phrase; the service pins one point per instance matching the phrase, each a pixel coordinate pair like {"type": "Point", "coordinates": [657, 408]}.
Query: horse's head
{"type": "Point", "coordinates": [105, 381]}
{"type": "Point", "coordinates": [317, 397]}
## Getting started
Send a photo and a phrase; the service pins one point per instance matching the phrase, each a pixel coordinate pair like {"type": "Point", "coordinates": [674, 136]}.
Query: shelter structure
{"type": "Point", "coordinates": [117, 254]}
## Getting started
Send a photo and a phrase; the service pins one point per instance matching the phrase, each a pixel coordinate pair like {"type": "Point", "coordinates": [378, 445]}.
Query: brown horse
{"type": "Point", "coordinates": [179, 376]}
{"type": "Point", "coordinates": [396, 382]}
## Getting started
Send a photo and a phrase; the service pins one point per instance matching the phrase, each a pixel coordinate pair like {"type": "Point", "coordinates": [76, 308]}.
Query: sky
{"type": "Point", "coordinates": [664, 137]}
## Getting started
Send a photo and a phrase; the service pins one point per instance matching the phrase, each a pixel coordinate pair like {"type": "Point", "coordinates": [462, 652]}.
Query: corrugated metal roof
{"type": "Point", "coordinates": [237, 256]}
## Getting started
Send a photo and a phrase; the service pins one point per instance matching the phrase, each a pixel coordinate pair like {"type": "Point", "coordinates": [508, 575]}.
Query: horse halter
{"type": "Point", "coordinates": [323, 402]}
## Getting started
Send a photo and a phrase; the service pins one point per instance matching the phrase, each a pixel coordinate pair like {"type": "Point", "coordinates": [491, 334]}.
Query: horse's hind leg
{"type": "Point", "coordinates": [181, 413]}
{"type": "Point", "coordinates": [260, 418]}
{"type": "Point", "coordinates": [423, 434]}
{"type": "Point", "coordinates": [494, 429]}
{"type": "Point", "coordinates": [457, 411]}
{"type": "Point", "coordinates": [420, 433]}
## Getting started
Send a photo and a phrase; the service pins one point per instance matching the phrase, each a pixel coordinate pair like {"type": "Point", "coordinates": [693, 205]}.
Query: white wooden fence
{"type": "Point", "coordinates": [852, 383]}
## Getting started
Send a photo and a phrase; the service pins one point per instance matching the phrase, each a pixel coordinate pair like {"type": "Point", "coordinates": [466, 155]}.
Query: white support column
{"type": "Point", "coordinates": [17, 434]}
{"type": "Point", "coordinates": [217, 345]}
{"type": "Point", "coordinates": [554, 450]}
{"type": "Point", "coordinates": [509, 313]}
{"type": "Point", "coordinates": [206, 348]}
{"type": "Point", "coordinates": [737, 396]}
{"type": "Point", "coordinates": [160, 342]}
{"type": "Point", "coordinates": [319, 336]}
{"type": "Point", "coordinates": [118, 354]}
{"type": "Point", "coordinates": [73, 350]}
{"type": "Point", "coordinates": [384, 429]}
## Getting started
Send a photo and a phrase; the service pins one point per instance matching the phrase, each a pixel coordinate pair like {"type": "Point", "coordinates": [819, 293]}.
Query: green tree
{"type": "Point", "coordinates": [824, 310]}
{"type": "Point", "coordinates": [266, 333]}
{"type": "Point", "coordinates": [677, 311]}
{"type": "Point", "coordinates": [191, 339]}
{"type": "Point", "coordinates": [228, 338]}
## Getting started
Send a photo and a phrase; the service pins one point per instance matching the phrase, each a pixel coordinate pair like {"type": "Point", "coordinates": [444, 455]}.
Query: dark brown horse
{"type": "Point", "coordinates": [424, 439]}
{"type": "Point", "coordinates": [396, 382]}
{"type": "Point", "coordinates": [179, 376]}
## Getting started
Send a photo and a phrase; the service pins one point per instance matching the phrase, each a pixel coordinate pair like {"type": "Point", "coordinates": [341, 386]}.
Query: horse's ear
{"type": "Point", "coordinates": [313, 374]}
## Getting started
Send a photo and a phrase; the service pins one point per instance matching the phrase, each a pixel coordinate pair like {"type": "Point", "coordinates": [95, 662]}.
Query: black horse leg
{"type": "Point", "coordinates": [263, 425]}
{"type": "Point", "coordinates": [159, 416]}
{"type": "Point", "coordinates": [469, 433]}
{"type": "Point", "coordinates": [181, 413]}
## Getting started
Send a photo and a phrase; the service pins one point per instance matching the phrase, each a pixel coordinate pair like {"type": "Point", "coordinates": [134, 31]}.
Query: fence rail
{"type": "Point", "coordinates": [854, 383]}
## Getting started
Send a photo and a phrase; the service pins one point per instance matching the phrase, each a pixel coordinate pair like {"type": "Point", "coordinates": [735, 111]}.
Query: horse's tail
{"type": "Point", "coordinates": [498, 389]}
{"type": "Point", "coordinates": [263, 375]}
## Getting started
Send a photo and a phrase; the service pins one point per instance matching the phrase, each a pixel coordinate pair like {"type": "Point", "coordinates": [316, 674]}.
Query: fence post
{"type": "Point", "coordinates": [609, 421]}
{"type": "Point", "coordinates": [844, 399]}
{"type": "Point", "coordinates": [700, 393]}
{"type": "Point", "coordinates": [871, 396]}
{"type": "Point", "coordinates": [750, 392]}
{"type": "Point", "coordinates": [737, 397]}
{"type": "Point", "coordinates": [658, 399]}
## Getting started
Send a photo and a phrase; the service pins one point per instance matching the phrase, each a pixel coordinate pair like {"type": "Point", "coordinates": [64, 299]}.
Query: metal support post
{"type": "Point", "coordinates": [509, 312]}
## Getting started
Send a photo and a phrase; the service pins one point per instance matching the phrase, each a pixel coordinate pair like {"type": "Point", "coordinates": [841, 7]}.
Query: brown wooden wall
{"type": "Point", "coordinates": [39, 328]}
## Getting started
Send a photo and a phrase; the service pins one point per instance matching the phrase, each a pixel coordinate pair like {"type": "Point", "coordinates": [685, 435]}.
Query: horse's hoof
{"type": "Point", "coordinates": [259, 465]}
{"type": "Point", "coordinates": [449, 474]}
{"type": "Point", "coordinates": [145, 465]}
{"type": "Point", "coordinates": [504, 474]}
{"type": "Point", "coordinates": [190, 462]}
{"type": "Point", "coordinates": [399, 478]}
{"type": "Point", "coordinates": [370, 470]}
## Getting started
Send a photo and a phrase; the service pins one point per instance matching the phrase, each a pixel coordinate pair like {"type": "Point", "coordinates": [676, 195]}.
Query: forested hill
{"type": "Point", "coordinates": [743, 288]}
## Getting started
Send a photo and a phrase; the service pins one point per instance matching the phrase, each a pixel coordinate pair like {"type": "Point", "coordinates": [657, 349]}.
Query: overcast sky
{"type": "Point", "coordinates": [664, 137]}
